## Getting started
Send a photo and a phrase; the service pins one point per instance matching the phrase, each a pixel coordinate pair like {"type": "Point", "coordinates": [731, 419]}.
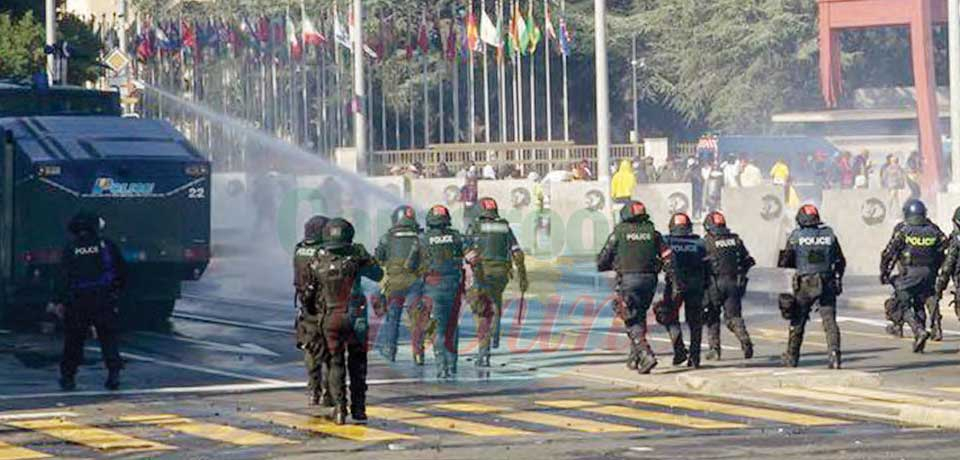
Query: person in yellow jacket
{"type": "Point", "coordinates": [780, 172]}
{"type": "Point", "coordinates": [623, 183]}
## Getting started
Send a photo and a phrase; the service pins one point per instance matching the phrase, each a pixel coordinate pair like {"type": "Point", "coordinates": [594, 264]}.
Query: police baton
{"type": "Point", "coordinates": [523, 303]}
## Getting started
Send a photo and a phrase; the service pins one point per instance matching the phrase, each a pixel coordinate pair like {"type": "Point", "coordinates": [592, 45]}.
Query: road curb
{"type": "Point", "coordinates": [930, 416]}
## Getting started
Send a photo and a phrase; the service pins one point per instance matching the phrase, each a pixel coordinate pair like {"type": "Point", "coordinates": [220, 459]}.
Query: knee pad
{"type": "Point", "coordinates": [788, 306]}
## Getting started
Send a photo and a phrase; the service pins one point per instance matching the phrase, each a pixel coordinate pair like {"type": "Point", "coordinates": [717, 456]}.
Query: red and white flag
{"type": "Point", "coordinates": [311, 36]}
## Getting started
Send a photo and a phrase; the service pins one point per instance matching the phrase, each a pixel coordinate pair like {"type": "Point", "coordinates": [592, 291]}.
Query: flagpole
{"type": "Point", "coordinates": [501, 74]}
{"type": "Point", "coordinates": [368, 79]}
{"type": "Point", "coordinates": [533, 85]}
{"type": "Point", "coordinates": [443, 137]}
{"type": "Point", "coordinates": [359, 89]}
{"type": "Point", "coordinates": [456, 91]}
{"type": "Point", "coordinates": [383, 113]}
{"type": "Point", "coordinates": [413, 135]}
{"type": "Point", "coordinates": [566, 100]}
{"type": "Point", "coordinates": [426, 98]}
{"type": "Point", "coordinates": [338, 99]}
{"type": "Point", "coordinates": [471, 84]}
{"type": "Point", "coordinates": [322, 100]}
{"type": "Point", "coordinates": [486, 80]}
{"type": "Point", "coordinates": [546, 63]}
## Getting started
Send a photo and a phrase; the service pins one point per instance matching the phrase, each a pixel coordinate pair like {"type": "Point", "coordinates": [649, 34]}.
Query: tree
{"type": "Point", "coordinates": [22, 39]}
{"type": "Point", "coordinates": [21, 45]}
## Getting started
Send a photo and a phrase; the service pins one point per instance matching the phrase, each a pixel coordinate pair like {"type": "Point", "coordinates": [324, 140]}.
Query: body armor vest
{"type": "Point", "coordinates": [814, 250]}
{"type": "Point", "coordinates": [444, 251]}
{"type": "Point", "coordinates": [921, 246]}
{"type": "Point", "coordinates": [636, 248]}
{"type": "Point", "coordinates": [492, 238]}
{"type": "Point", "coordinates": [725, 252]}
{"type": "Point", "coordinates": [401, 247]}
{"type": "Point", "coordinates": [336, 276]}
{"type": "Point", "coordinates": [689, 253]}
{"type": "Point", "coordinates": [93, 266]}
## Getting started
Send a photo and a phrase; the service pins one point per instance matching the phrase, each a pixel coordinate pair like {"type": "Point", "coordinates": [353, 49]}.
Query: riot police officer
{"type": "Point", "coordinates": [637, 252]}
{"type": "Point", "coordinates": [441, 261]}
{"type": "Point", "coordinates": [814, 251]}
{"type": "Point", "coordinates": [401, 287]}
{"type": "Point", "coordinates": [685, 285]}
{"type": "Point", "coordinates": [950, 271]}
{"type": "Point", "coordinates": [729, 263]}
{"type": "Point", "coordinates": [331, 285]}
{"type": "Point", "coordinates": [917, 246]}
{"type": "Point", "coordinates": [493, 254]}
{"type": "Point", "coordinates": [309, 333]}
{"type": "Point", "coordinates": [93, 273]}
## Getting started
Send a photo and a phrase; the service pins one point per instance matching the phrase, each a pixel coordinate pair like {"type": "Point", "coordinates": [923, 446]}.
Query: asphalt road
{"type": "Point", "coordinates": [224, 381]}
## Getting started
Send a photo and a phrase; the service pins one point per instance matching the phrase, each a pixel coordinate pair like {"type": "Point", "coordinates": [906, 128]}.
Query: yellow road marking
{"type": "Point", "coordinates": [741, 411]}
{"type": "Point", "coordinates": [949, 389]}
{"type": "Point", "coordinates": [541, 418]}
{"type": "Point", "coordinates": [324, 426]}
{"type": "Point", "coordinates": [643, 415]}
{"type": "Point", "coordinates": [212, 431]}
{"type": "Point", "coordinates": [888, 396]}
{"type": "Point", "coordinates": [89, 436]}
{"type": "Point", "coordinates": [832, 397]}
{"type": "Point", "coordinates": [9, 452]}
{"type": "Point", "coordinates": [441, 423]}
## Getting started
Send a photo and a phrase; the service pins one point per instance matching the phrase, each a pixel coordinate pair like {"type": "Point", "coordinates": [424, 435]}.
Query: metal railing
{"type": "Point", "coordinates": [526, 157]}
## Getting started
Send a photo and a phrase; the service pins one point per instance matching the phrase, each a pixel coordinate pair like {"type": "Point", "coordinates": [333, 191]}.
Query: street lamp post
{"type": "Point", "coordinates": [603, 94]}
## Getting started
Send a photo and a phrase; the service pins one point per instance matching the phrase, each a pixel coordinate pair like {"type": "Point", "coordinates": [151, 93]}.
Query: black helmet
{"type": "Point", "coordinates": [680, 225]}
{"type": "Point", "coordinates": [438, 217]}
{"type": "Point", "coordinates": [634, 211]}
{"type": "Point", "coordinates": [714, 221]}
{"type": "Point", "coordinates": [84, 222]}
{"type": "Point", "coordinates": [404, 216]}
{"type": "Point", "coordinates": [956, 218]}
{"type": "Point", "coordinates": [488, 208]}
{"type": "Point", "coordinates": [313, 229]}
{"type": "Point", "coordinates": [808, 216]}
{"type": "Point", "coordinates": [914, 211]}
{"type": "Point", "coordinates": [338, 233]}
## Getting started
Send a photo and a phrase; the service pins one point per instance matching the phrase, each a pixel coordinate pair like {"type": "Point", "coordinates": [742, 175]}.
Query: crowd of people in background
{"type": "Point", "coordinates": [709, 174]}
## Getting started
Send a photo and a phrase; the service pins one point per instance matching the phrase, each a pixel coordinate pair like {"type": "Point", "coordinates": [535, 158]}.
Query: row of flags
{"type": "Point", "coordinates": [192, 38]}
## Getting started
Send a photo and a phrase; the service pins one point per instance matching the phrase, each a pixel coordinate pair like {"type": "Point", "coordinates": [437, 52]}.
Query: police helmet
{"type": "Point", "coordinates": [808, 216]}
{"type": "Point", "coordinates": [84, 222]}
{"type": "Point", "coordinates": [338, 233]}
{"type": "Point", "coordinates": [488, 207]}
{"type": "Point", "coordinates": [438, 217]}
{"type": "Point", "coordinates": [680, 224]}
{"type": "Point", "coordinates": [714, 221]}
{"type": "Point", "coordinates": [914, 211]}
{"type": "Point", "coordinates": [405, 216]}
{"type": "Point", "coordinates": [313, 229]}
{"type": "Point", "coordinates": [634, 211]}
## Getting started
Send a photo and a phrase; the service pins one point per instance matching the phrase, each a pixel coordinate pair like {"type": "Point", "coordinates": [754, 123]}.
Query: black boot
{"type": "Point", "coordinates": [358, 413]}
{"type": "Point", "coordinates": [113, 380]}
{"type": "Point", "coordinates": [920, 341]}
{"type": "Point", "coordinates": [339, 415]}
{"type": "Point", "coordinates": [936, 329]}
{"type": "Point", "coordinates": [326, 400]}
{"type": "Point", "coordinates": [747, 349]}
{"type": "Point", "coordinates": [713, 342]}
{"type": "Point", "coordinates": [693, 362]}
{"type": "Point", "coordinates": [679, 350]}
{"type": "Point", "coordinates": [834, 360]}
{"type": "Point", "coordinates": [647, 362]}
{"type": "Point", "coordinates": [680, 356]}
{"type": "Point", "coordinates": [67, 382]}
{"type": "Point", "coordinates": [791, 358]}
{"type": "Point", "coordinates": [895, 330]}
{"type": "Point", "coordinates": [739, 329]}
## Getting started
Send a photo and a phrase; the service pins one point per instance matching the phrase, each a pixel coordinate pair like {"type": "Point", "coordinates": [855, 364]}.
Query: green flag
{"type": "Point", "coordinates": [534, 34]}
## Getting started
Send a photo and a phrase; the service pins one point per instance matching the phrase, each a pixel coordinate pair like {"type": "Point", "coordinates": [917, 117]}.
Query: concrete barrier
{"type": "Point", "coordinates": [863, 221]}
{"type": "Point", "coordinates": [580, 218]}
{"type": "Point", "coordinates": [664, 200]}
{"type": "Point", "coordinates": [761, 218]}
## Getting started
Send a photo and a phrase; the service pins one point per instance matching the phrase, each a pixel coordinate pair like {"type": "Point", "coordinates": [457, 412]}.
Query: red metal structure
{"type": "Point", "coordinates": [919, 16]}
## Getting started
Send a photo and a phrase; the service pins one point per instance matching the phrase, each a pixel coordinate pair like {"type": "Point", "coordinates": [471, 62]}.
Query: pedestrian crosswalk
{"type": "Point", "coordinates": [26, 435]}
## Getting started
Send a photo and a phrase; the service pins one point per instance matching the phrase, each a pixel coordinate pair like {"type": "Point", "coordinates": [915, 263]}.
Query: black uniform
{"type": "Point", "coordinates": [93, 275]}
{"type": "Point", "coordinates": [332, 281]}
{"type": "Point", "coordinates": [685, 285]}
{"type": "Point", "coordinates": [729, 263]}
{"type": "Point", "coordinates": [917, 247]}
{"type": "Point", "coordinates": [950, 270]}
{"type": "Point", "coordinates": [814, 251]}
{"type": "Point", "coordinates": [637, 252]}
{"type": "Point", "coordinates": [309, 333]}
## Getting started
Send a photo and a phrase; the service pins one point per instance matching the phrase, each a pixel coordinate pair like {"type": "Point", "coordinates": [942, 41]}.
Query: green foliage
{"type": "Point", "coordinates": [22, 39]}
{"type": "Point", "coordinates": [21, 45]}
